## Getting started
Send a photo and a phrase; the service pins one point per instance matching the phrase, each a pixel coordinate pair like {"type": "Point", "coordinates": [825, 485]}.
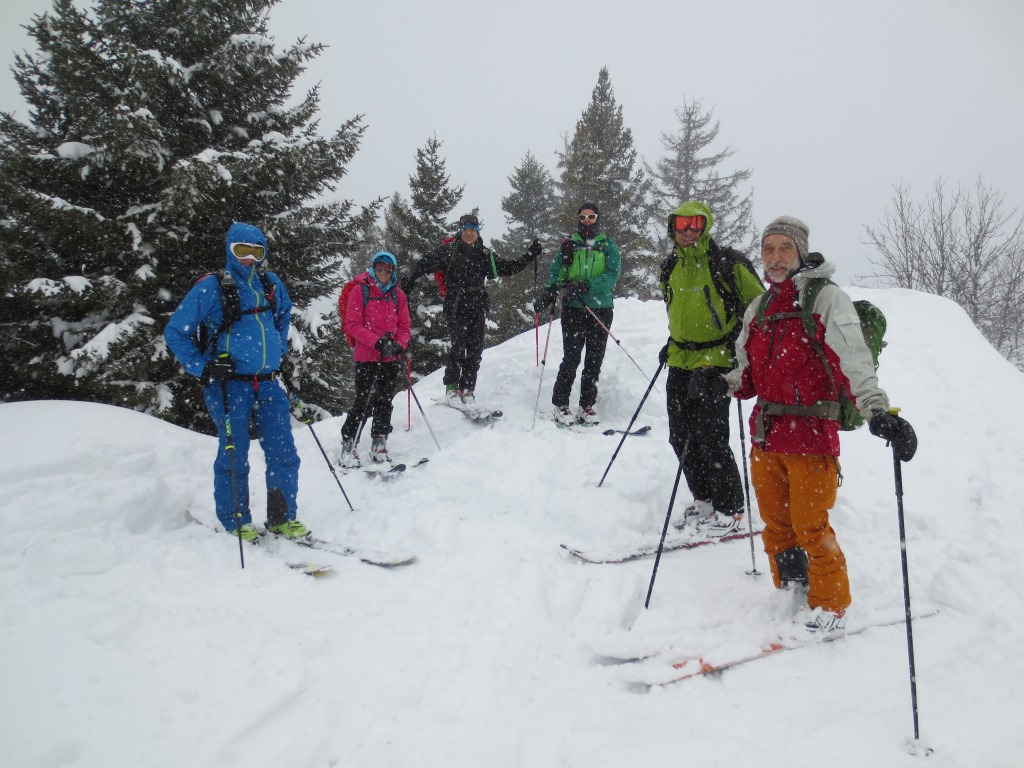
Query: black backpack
{"type": "Point", "coordinates": [231, 306]}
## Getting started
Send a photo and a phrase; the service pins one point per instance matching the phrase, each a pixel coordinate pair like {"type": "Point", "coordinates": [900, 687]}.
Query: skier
{"type": "Point", "coordinates": [466, 263]}
{"type": "Point", "coordinates": [586, 270]}
{"type": "Point", "coordinates": [706, 288]}
{"type": "Point", "coordinates": [794, 459]}
{"type": "Point", "coordinates": [377, 319]}
{"type": "Point", "coordinates": [245, 317]}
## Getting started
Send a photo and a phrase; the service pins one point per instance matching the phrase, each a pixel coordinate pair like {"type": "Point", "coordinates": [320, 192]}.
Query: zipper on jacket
{"type": "Point", "coordinates": [256, 315]}
{"type": "Point", "coordinates": [711, 308]}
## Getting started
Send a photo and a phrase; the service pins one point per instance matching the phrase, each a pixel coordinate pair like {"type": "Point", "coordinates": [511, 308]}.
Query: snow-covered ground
{"type": "Point", "coordinates": [131, 637]}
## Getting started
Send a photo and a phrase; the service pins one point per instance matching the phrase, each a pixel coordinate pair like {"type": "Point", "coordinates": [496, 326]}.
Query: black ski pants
{"type": "Point", "coordinates": [698, 430]}
{"type": "Point", "coordinates": [375, 389]}
{"type": "Point", "coordinates": [466, 332]}
{"type": "Point", "coordinates": [580, 330]}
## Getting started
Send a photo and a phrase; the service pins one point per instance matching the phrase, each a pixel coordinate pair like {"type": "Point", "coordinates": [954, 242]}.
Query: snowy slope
{"type": "Point", "coordinates": [131, 637]}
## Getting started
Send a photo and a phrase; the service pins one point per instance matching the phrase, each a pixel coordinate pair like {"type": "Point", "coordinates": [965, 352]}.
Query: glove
{"type": "Point", "coordinates": [574, 289]}
{"type": "Point", "coordinates": [663, 355]}
{"type": "Point", "coordinates": [896, 431]}
{"type": "Point", "coordinates": [567, 250]}
{"type": "Point", "coordinates": [534, 250]}
{"type": "Point", "coordinates": [545, 301]}
{"type": "Point", "coordinates": [388, 347]}
{"type": "Point", "coordinates": [707, 383]}
{"type": "Point", "coordinates": [218, 369]}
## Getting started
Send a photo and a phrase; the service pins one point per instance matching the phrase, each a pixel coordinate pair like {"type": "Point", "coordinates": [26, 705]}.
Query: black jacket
{"type": "Point", "coordinates": [465, 268]}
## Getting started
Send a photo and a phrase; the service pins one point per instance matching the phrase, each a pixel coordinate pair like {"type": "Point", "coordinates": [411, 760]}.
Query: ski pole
{"type": "Point", "coordinates": [424, 415]}
{"type": "Point", "coordinates": [536, 316]}
{"type": "Point", "coordinates": [229, 445]}
{"type": "Point", "coordinates": [898, 472]}
{"type": "Point", "coordinates": [746, 489]}
{"type": "Point", "coordinates": [629, 428]}
{"type": "Point", "coordinates": [612, 337]}
{"type": "Point", "coordinates": [543, 365]}
{"type": "Point", "coordinates": [308, 421]}
{"type": "Point", "coordinates": [408, 394]}
{"type": "Point", "coordinates": [668, 517]}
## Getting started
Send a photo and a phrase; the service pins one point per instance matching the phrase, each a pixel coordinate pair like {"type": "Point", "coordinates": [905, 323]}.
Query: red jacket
{"type": "Point", "coordinates": [783, 367]}
{"type": "Point", "coordinates": [382, 313]}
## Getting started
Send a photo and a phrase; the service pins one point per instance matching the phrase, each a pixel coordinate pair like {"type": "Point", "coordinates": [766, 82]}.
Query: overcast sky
{"type": "Point", "coordinates": [829, 105]}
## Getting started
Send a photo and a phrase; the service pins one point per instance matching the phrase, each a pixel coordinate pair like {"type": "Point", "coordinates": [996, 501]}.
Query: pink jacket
{"type": "Point", "coordinates": [382, 313]}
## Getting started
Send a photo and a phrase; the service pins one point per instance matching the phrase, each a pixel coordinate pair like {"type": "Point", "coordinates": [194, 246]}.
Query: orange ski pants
{"type": "Point", "coordinates": [794, 494]}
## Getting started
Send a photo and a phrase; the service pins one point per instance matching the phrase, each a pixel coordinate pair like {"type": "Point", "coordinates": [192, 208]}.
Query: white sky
{"type": "Point", "coordinates": [829, 108]}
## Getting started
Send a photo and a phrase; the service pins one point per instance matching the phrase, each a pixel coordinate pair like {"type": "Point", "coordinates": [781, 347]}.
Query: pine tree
{"type": "Point", "coordinates": [152, 127]}
{"type": "Point", "coordinates": [599, 164]}
{"type": "Point", "coordinates": [688, 172]}
{"type": "Point", "coordinates": [414, 228]}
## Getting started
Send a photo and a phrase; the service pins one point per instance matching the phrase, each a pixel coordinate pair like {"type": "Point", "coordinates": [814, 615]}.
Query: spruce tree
{"type": "Point", "coordinates": [152, 127]}
{"type": "Point", "coordinates": [690, 172]}
{"type": "Point", "coordinates": [600, 164]}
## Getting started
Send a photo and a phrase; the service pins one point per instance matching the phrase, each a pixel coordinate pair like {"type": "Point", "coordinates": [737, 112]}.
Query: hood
{"type": "Point", "coordinates": [814, 266]}
{"type": "Point", "coordinates": [390, 259]}
{"type": "Point", "coordinates": [243, 233]}
{"type": "Point", "coordinates": [695, 208]}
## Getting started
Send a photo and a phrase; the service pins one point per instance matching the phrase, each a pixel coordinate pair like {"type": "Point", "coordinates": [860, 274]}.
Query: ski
{"type": "Point", "coordinates": [637, 431]}
{"type": "Point", "coordinates": [626, 552]}
{"type": "Point", "coordinates": [699, 666]}
{"type": "Point", "coordinates": [308, 568]}
{"type": "Point", "coordinates": [385, 469]}
{"type": "Point", "coordinates": [474, 413]}
{"type": "Point", "coordinates": [366, 555]}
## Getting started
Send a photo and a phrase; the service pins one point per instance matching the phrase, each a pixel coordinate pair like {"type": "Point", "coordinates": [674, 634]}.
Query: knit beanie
{"type": "Point", "coordinates": [791, 227]}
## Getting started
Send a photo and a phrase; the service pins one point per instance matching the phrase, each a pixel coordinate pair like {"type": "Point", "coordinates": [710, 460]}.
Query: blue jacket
{"type": "Point", "coordinates": [256, 343]}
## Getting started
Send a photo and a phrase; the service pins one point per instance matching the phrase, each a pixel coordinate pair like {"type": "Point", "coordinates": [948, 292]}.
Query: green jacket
{"type": "Point", "coordinates": [704, 315]}
{"type": "Point", "coordinates": [598, 264]}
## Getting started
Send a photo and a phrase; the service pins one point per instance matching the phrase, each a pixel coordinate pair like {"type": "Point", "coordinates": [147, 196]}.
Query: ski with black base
{"type": "Point", "coordinates": [637, 431]}
{"type": "Point", "coordinates": [627, 552]}
{"type": "Point", "coordinates": [649, 675]}
{"type": "Point", "coordinates": [386, 469]}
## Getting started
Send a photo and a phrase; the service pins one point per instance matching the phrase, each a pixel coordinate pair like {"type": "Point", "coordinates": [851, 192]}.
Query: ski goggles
{"type": "Point", "coordinates": [683, 223]}
{"type": "Point", "coordinates": [248, 251]}
{"type": "Point", "coordinates": [588, 217]}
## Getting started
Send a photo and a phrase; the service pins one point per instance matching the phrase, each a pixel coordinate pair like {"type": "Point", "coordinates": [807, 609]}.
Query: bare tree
{"type": "Point", "coordinates": [965, 245]}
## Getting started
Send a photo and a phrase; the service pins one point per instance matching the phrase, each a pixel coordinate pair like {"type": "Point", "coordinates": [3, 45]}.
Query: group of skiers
{"type": "Point", "coordinates": [728, 337]}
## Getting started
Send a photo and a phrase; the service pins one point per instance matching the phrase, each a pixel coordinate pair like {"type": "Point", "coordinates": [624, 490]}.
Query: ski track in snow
{"type": "Point", "coordinates": [130, 637]}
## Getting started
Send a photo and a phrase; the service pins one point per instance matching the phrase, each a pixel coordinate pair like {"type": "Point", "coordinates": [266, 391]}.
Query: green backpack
{"type": "Point", "coordinates": [872, 325]}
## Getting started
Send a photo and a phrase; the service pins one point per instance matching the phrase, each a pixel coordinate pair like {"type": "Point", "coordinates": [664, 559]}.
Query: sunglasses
{"type": "Point", "coordinates": [696, 223]}
{"type": "Point", "coordinates": [248, 251]}
{"type": "Point", "coordinates": [588, 217]}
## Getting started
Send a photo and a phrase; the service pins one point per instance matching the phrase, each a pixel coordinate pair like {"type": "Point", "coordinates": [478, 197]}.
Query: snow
{"type": "Point", "coordinates": [132, 637]}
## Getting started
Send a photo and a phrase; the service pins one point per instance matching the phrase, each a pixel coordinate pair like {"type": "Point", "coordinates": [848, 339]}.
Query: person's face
{"type": "Point", "coordinates": [780, 256]}
{"type": "Point", "coordinates": [687, 239]}
{"type": "Point", "coordinates": [469, 235]}
{"type": "Point", "coordinates": [383, 271]}
{"type": "Point", "coordinates": [588, 217]}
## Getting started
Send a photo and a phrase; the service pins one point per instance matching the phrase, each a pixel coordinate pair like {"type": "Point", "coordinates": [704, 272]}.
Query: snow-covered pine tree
{"type": "Point", "coordinates": [600, 164]}
{"type": "Point", "coordinates": [415, 227]}
{"type": "Point", "coordinates": [152, 127]}
{"type": "Point", "coordinates": [689, 172]}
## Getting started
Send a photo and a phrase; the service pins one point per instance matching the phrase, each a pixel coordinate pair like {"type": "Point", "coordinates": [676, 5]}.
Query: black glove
{"type": "Point", "coordinates": [388, 347]}
{"type": "Point", "coordinates": [574, 289]}
{"type": "Point", "coordinates": [218, 369]}
{"type": "Point", "coordinates": [567, 250]}
{"type": "Point", "coordinates": [534, 250]}
{"type": "Point", "coordinates": [663, 355]}
{"type": "Point", "coordinates": [545, 301]}
{"type": "Point", "coordinates": [707, 383]}
{"type": "Point", "coordinates": [896, 431]}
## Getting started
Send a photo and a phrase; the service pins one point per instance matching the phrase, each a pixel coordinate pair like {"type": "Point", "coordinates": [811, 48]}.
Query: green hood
{"type": "Point", "coordinates": [694, 208]}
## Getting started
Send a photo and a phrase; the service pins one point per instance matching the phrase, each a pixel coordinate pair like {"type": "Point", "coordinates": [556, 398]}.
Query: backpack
{"type": "Point", "coordinates": [343, 303]}
{"type": "Point", "coordinates": [231, 306]}
{"type": "Point", "coordinates": [721, 264]}
{"type": "Point", "coordinates": [872, 325]}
